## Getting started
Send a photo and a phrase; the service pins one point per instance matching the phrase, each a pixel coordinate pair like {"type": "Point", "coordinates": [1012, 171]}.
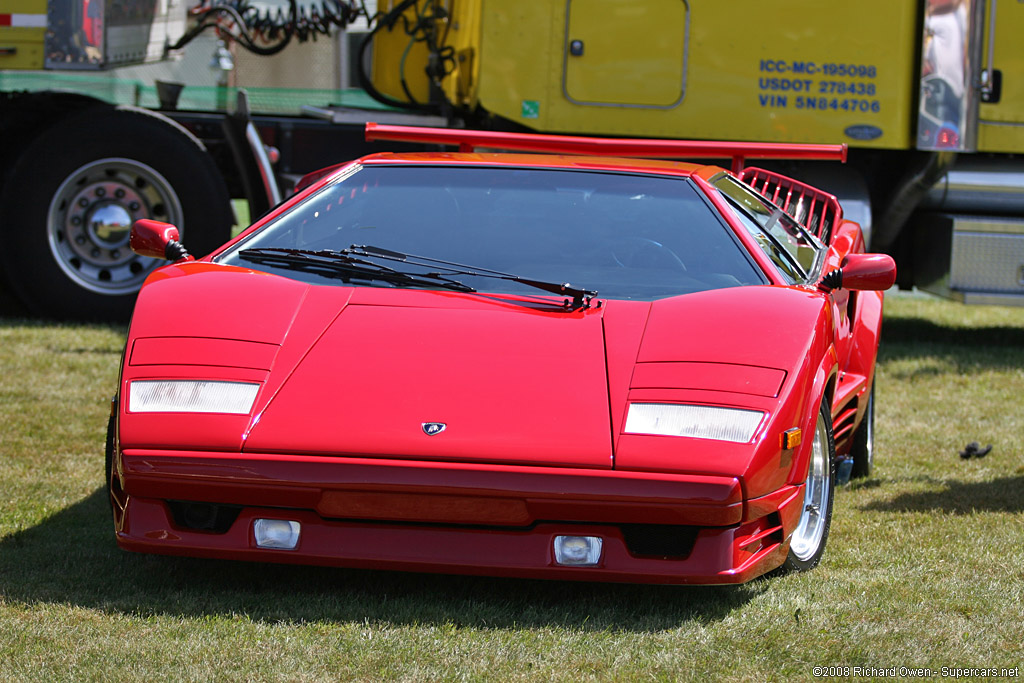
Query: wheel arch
{"type": "Point", "coordinates": [24, 115]}
{"type": "Point", "coordinates": [822, 390]}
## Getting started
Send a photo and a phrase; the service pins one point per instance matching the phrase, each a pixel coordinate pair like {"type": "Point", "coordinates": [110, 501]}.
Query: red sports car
{"type": "Point", "coordinates": [392, 370]}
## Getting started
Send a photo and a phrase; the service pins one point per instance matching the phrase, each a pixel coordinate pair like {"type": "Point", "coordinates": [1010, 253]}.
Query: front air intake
{"type": "Point", "coordinates": [203, 516]}
{"type": "Point", "coordinates": [665, 541]}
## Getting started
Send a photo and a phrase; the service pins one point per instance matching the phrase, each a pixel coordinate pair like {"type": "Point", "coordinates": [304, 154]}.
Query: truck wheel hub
{"type": "Point", "coordinates": [90, 221]}
{"type": "Point", "coordinates": [104, 225]}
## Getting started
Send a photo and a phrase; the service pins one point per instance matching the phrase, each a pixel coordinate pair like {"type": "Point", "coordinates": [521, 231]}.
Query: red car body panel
{"type": "Point", "coordinates": [536, 397]}
{"type": "Point", "coordinates": [518, 416]}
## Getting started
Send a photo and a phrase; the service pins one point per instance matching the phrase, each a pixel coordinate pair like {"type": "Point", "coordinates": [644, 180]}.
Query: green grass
{"type": "Point", "coordinates": [925, 565]}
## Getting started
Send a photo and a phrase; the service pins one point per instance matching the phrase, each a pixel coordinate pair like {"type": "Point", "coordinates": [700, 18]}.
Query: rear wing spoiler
{"type": "Point", "coordinates": [738, 152]}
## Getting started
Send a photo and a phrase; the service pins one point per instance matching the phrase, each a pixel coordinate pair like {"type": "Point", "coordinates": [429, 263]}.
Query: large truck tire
{"type": "Point", "coordinates": [68, 203]}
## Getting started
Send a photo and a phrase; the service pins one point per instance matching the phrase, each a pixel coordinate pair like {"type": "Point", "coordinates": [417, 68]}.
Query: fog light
{"type": "Point", "coordinates": [578, 551]}
{"type": "Point", "coordinates": [276, 533]}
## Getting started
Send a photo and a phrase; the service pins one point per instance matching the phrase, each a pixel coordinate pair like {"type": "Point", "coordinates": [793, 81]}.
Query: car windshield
{"type": "Point", "coordinates": [627, 236]}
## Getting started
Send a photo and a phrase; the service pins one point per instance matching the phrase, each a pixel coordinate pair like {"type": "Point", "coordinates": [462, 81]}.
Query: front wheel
{"type": "Point", "coordinates": [70, 199]}
{"type": "Point", "coordinates": [807, 544]}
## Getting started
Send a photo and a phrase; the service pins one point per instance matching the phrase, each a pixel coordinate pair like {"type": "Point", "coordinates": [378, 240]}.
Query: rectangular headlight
{"type": "Point", "coordinates": [191, 396]}
{"type": "Point", "coordinates": [702, 422]}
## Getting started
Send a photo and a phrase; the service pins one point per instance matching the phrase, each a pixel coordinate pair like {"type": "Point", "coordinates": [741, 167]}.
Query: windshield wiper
{"type": "Point", "coordinates": [346, 266]}
{"type": "Point", "coordinates": [580, 297]}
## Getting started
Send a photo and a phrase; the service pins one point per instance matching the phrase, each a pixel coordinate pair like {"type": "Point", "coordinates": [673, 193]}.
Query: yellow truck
{"type": "Point", "coordinates": [928, 94]}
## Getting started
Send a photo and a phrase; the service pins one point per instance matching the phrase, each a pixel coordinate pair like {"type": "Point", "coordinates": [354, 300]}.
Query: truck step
{"type": "Point", "coordinates": [973, 259]}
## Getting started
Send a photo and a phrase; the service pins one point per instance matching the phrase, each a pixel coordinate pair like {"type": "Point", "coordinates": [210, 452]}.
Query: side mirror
{"type": "Point", "coordinates": [861, 272]}
{"type": "Point", "coordinates": [157, 240]}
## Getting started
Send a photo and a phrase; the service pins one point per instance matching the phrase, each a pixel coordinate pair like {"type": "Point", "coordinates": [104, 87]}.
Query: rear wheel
{"type": "Point", "coordinates": [69, 202]}
{"type": "Point", "coordinates": [863, 448]}
{"type": "Point", "coordinates": [808, 541]}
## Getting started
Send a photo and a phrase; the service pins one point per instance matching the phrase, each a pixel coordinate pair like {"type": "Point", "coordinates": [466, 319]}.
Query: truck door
{"type": "Point", "coordinates": [625, 54]}
{"type": "Point", "coordinates": [1001, 118]}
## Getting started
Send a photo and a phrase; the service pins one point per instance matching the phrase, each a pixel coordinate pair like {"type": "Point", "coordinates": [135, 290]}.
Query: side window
{"type": "Point", "coordinates": [795, 251]}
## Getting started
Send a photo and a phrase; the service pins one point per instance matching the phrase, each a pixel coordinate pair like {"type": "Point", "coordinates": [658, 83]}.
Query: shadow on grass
{"type": "Point", "coordinates": [1000, 495]}
{"type": "Point", "coordinates": [922, 330]}
{"type": "Point", "coordinates": [24, 319]}
{"type": "Point", "coordinates": [72, 558]}
{"type": "Point", "coordinates": [914, 337]}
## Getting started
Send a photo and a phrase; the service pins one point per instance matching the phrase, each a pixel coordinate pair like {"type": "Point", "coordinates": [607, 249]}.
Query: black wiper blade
{"type": "Point", "coordinates": [580, 297]}
{"type": "Point", "coordinates": [346, 267]}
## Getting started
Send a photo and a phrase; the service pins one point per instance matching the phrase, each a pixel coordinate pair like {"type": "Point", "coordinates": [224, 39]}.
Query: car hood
{"type": "Point", "coordinates": [366, 371]}
{"type": "Point", "coordinates": [436, 375]}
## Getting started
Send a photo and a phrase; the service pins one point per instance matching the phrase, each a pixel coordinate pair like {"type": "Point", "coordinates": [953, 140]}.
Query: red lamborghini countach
{"type": "Point", "coordinates": [582, 364]}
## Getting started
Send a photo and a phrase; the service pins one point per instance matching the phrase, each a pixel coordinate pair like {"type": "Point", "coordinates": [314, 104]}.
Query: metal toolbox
{"type": "Point", "coordinates": [974, 259]}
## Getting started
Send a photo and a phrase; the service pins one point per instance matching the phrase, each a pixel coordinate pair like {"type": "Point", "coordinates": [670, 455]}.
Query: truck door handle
{"type": "Point", "coordinates": [991, 78]}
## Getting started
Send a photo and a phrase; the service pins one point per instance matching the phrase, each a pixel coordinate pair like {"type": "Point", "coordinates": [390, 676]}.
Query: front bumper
{"type": "Point", "coordinates": [455, 517]}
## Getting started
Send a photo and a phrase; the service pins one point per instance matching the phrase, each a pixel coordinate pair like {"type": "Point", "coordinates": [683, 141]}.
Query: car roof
{"type": "Point", "coordinates": [542, 161]}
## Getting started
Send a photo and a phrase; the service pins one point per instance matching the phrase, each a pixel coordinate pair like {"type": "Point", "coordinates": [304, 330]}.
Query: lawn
{"type": "Point", "coordinates": [925, 564]}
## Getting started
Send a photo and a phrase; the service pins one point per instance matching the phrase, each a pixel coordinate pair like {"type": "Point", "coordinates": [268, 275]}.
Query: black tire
{"type": "Point", "coordinates": [115, 495]}
{"type": "Point", "coordinates": [807, 543]}
{"type": "Point", "coordinates": [109, 469]}
{"type": "Point", "coordinates": [863, 448]}
{"type": "Point", "coordinates": [69, 196]}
